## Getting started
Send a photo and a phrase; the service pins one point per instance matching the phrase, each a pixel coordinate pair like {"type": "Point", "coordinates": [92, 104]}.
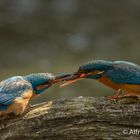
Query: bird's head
{"type": "Point", "coordinates": [92, 70]}
{"type": "Point", "coordinates": [42, 81]}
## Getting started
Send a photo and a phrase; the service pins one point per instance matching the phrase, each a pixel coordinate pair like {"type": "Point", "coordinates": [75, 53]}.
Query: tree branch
{"type": "Point", "coordinates": [81, 118]}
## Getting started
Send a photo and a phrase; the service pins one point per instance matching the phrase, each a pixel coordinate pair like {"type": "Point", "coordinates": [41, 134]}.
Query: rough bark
{"type": "Point", "coordinates": [81, 118]}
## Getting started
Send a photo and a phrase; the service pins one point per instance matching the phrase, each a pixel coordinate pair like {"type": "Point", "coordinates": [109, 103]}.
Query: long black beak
{"type": "Point", "coordinates": [73, 78]}
{"type": "Point", "coordinates": [55, 79]}
{"type": "Point", "coordinates": [61, 77]}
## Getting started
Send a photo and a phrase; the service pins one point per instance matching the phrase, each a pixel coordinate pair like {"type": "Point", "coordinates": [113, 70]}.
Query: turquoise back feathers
{"type": "Point", "coordinates": [100, 65]}
{"type": "Point", "coordinates": [121, 72]}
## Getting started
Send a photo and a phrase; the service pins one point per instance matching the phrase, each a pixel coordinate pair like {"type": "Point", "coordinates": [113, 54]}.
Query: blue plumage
{"type": "Point", "coordinates": [95, 65]}
{"type": "Point", "coordinates": [16, 86]}
{"type": "Point", "coordinates": [40, 79]}
{"type": "Point", "coordinates": [120, 72]}
{"type": "Point", "coordinates": [3, 107]}
{"type": "Point", "coordinates": [124, 73]}
{"type": "Point", "coordinates": [12, 88]}
{"type": "Point", "coordinates": [118, 75]}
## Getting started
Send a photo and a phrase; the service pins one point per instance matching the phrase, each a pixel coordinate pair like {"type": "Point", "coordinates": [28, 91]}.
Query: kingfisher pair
{"type": "Point", "coordinates": [16, 92]}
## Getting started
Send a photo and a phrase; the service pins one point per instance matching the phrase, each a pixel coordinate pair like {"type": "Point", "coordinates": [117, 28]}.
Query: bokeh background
{"type": "Point", "coordinates": [59, 35]}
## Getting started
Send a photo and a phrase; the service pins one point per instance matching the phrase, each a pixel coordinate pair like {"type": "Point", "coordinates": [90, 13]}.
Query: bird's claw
{"type": "Point", "coordinates": [116, 96]}
{"type": "Point", "coordinates": [28, 108]}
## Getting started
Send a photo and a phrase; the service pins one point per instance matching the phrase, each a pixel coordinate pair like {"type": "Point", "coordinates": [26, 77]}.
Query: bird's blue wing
{"type": "Point", "coordinates": [124, 73]}
{"type": "Point", "coordinates": [12, 88]}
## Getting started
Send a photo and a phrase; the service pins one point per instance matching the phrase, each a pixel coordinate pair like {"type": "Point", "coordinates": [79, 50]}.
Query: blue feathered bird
{"type": "Point", "coordinates": [16, 92]}
{"type": "Point", "coordinates": [119, 75]}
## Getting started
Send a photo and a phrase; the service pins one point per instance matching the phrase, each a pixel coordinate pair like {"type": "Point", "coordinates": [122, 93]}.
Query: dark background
{"type": "Point", "coordinates": [59, 35]}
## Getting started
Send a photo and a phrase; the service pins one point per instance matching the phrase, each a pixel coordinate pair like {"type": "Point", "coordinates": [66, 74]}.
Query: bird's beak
{"type": "Point", "coordinates": [73, 78]}
{"type": "Point", "coordinates": [59, 78]}
{"type": "Point", "coordinates": [55, 79]}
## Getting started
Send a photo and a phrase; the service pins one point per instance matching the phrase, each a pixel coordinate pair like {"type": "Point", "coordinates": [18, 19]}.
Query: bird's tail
{"type": "Point", "coordinates": [3, 107]}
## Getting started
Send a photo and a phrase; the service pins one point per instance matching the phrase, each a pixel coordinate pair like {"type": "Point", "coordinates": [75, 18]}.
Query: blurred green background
{"type": "Point", "coordinates": [59, 35]}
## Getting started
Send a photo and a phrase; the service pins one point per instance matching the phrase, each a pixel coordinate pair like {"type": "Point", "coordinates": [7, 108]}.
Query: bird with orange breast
{"type": "Point", "coordinates": [121, 76]}
{"type": "Point", "coordinates": [17, 91]}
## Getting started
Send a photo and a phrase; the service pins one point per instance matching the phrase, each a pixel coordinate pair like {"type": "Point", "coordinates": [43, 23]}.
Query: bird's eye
{"type": "Point", "coordinates": [48, 82]}
{"type": "Point", "coordinates": [88, 70]}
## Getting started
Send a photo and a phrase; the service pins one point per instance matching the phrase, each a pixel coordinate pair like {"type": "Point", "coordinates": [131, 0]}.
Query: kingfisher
{"type": "Point", "coordinates": [122, 76]}
{"type": "Point", "coordinates": [17, 91]}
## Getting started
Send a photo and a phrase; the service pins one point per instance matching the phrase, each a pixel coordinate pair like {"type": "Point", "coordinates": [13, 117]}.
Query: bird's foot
{"type": "Point", "coordinates": [31, 107]}
{"type": "Point", "coordinates": [28, 108]}
{"type": "Point", "coordinates": [116, 96]}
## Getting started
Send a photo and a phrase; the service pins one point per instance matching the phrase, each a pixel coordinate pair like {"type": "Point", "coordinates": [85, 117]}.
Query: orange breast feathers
{"type": "Point", "coordinates": [27, 95]}
{"type": "Point", "coordinates": [131, 89]}
{"type": "Point", "coordinates": [19, 105]}
{"type": "Point", "coordinates": [106, 81]}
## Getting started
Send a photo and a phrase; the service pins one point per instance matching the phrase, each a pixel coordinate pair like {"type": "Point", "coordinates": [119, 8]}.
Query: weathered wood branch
{"type": "Point", "coordinates": [82, 118]}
